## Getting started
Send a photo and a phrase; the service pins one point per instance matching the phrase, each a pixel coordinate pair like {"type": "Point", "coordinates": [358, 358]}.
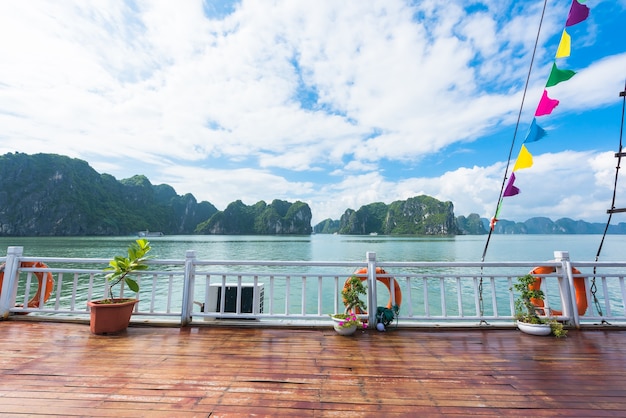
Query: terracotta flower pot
{"type": "Point", "coordinates": [110, 318]}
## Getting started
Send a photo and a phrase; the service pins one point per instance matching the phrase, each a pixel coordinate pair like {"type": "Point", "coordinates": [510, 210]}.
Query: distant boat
{"type": "Point", "coordinates": [373, 233]}
{"type": "Point", "coordinates": [147, 233]}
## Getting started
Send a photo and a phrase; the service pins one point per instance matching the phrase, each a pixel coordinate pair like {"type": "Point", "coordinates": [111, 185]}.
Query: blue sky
{"type": "Point", "coordinates": [338, 104]}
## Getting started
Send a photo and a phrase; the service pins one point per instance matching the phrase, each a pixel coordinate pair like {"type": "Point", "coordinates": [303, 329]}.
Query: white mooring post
{"type": "Point", "coordinates": [566, 287]}
{"type": "Point", "coordinates": [9, 283]}
{"type": "Point", "coordinates": [188, 287]}
{"type": "Point", "coordinates": [371, 288]}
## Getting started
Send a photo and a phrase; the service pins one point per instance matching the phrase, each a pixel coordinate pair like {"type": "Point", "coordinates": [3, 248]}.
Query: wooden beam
{"type": "Point", "coordinates": [616, 210]}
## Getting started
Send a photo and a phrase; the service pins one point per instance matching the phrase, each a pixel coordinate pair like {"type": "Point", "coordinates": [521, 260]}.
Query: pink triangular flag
{"type": "Point", "coordinates": [546, 105]}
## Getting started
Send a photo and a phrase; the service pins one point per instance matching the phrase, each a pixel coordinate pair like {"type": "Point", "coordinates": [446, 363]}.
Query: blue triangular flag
{"type": "Point", "coordinates": [535, 132]}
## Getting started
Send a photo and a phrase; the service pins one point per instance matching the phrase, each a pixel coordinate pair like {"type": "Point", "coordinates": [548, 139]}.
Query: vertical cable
{"type": "Point", "coordinates": [619, 160]}
{"type": "Point", "coordinates": [519, 115]}
{"type": "Point", "coordinates": [593, 288]}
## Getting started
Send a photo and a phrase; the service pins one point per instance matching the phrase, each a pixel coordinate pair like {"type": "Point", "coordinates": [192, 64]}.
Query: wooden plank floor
{"type": "Point", "coordinates": [54, 369]}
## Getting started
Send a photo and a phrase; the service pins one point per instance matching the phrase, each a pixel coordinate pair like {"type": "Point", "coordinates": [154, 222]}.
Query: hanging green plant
{"type": "Point", "coordinates": [385, 316]}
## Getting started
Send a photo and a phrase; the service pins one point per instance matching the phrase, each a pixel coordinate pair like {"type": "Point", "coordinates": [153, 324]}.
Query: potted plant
{"type": "Point", "coordinates": [347, 322]}
{"type": "Point", "coordinates": [527, 313]}
{"type": "Point", "coordinates": [111, 315]}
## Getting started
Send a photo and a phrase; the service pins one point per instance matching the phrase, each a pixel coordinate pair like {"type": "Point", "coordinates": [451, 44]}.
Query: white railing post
{"type": "Point", "coordinates": [9, 283]}
{"type": "Point", "coordinates": [188, 287]}
{"type": "Point", "coordinates": [371, 288]}
{"type": "Point", "coordinates": [566, 287]}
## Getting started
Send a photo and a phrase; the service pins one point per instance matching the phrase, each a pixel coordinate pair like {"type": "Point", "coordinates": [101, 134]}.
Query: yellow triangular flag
{"type": "Point", "coordinates": [564, 46]}
{"type": "Point", "coordinates": [524, 159]}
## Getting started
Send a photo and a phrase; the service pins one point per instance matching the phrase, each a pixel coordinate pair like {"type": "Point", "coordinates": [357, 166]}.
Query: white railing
{"type": "Point", "coordinates": [304, 293]}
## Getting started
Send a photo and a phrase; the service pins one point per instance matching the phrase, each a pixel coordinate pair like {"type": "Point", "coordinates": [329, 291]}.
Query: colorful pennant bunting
{"type": "Point", "coordinates": [578, 12]}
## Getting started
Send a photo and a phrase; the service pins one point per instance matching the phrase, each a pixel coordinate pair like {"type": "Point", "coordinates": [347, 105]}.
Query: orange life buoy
{"type": "Point", "coordinates": [34, 301]}
{"type": "Point", "coordinates": [579, 286]}
{"type": "Point", "coordinates": [397, 292]}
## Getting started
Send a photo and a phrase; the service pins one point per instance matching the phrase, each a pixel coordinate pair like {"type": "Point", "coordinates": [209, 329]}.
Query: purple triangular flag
{"type": "Point", "coordinates": [510, 190]}
{"type": "Point", "coordinates": [577, 13]}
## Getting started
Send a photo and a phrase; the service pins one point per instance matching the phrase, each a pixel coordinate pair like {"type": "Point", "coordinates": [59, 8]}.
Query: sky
{"type": "Point", "coordinates": [334, 103]}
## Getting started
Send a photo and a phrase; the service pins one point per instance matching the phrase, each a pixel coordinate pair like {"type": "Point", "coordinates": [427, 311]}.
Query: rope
{"type": "Point", "coordinates": [519, 116]}
{"type": "Point", "coordinates": [508, 161]}
{"type": "Point", "coordinates": [606, 227]}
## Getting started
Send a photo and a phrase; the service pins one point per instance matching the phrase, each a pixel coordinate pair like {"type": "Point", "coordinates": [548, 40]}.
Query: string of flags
{"type": "Point", "coordinates": [578, 12]}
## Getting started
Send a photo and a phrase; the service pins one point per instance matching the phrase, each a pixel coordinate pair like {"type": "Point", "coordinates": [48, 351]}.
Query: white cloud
{"type": "Point", "coordinates": [219, 186]}
{"type": "Point", "coordinates": [571, 184]}
{"type": "Point", "coordinates": [292, 100]}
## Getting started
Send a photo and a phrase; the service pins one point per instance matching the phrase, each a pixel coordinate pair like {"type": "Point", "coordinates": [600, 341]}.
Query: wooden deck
{"type": "Point", "coordinates": [54, 369]}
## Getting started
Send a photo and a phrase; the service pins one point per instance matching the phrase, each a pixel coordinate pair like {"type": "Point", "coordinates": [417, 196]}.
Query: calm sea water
{"type": "Point", "coordinates": [334, 247]}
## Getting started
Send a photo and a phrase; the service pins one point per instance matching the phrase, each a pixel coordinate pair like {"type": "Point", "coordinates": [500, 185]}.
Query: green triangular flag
{"type": "Point", "coordinates": [556, 76]}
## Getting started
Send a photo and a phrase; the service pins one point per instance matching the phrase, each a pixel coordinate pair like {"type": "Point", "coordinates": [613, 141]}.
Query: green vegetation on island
{"type": "Point", "coordinates": [54, 195]}
{"type": "Point", "coordinates": [420, 215]}
{"type": "Point", "coordinates": [278, 218]}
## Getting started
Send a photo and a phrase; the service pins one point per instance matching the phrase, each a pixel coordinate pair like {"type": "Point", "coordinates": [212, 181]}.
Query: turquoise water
{"type": "Point", "coordinates": [334, 247]}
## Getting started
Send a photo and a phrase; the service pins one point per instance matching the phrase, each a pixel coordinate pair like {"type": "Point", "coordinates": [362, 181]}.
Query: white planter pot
{"type": "Point", "coordinates": [343, 330]}
{"type": "Point", "coordinates": [534, 329]}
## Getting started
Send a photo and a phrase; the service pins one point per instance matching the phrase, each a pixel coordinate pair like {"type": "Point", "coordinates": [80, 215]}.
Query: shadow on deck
{"type": "Point", "coordinates": [62, 370]}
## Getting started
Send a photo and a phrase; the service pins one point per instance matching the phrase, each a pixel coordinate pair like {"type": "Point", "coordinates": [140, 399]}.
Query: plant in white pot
{"type": "Point", "coordinates": [112, 315]}
{"type": "Point", "coordinates": [527, 311]}
{"type": "Point", "coordinates": [346, 323]}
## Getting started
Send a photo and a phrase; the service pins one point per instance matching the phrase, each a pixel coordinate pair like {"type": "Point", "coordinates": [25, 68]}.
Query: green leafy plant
{"type": "Point", "coordinates": [557, 328]}
{"type": "Point", "coordinates": [122, 267]}
{"type": "Point", "coordinates": [351, 293]}
{"type": "Point", "coordinates": [527, 311]}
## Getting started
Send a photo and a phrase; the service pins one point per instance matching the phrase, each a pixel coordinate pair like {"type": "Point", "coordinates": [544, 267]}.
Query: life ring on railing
{"type": "Point", "coordinates": [579, 287]}
{"type": "Point", "coordinates": [34, 301]}
{"type": "Point", "coordinates": [397, 292]}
